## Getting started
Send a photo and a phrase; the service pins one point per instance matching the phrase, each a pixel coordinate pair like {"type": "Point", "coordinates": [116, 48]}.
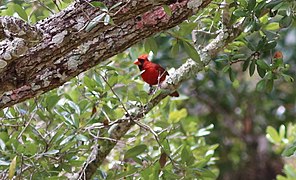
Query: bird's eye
{"type": "Point", "coordinates": [141, 60]}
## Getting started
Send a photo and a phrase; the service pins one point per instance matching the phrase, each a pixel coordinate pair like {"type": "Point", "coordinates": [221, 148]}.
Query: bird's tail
{"type": "Point", "coordinates": [175, 94]}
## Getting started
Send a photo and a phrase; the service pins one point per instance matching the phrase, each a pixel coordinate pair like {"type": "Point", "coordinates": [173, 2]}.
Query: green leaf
{"type": "Point", "coordinates": [4, 163]}
{"type": "Point", "coordinates": [74, 107]}
{"type": "Point", "coordinates": [222, 58]}
{"type": "Point", "coordinates": [108, 112]}
{"type": "Point", "coordinates": [282, 131]}
{"type": "Point", "coordinates": [231, 74]}
{"type": "Point", "coordinates": [51, 152]}
{"type": "Point", "coordinates": [81, 137]}
{"type": "Point", "coordinates": [130, 170]}
{"type": "Point", "coordinates": [270, 45]}
{"type": "Point", "coordinates": [261, 71]}
{"type": "Point", "coordinates": [278, 62]}
{"type": "Point", "coordinates": [4, 136]}
{"type": "Point", "coordinates": [204, 131]}
{"type": "Point", "coordinates": [2, 145]}
{"type": "Point", "coordinates": [107, 19]}
{"type": "Point", "coordinates": [259, 7]}
{"type": "Point", "coordinates": [208, 174]}
{"type": "Point", "coordinates": [272, 135]}
{"type": "Point", "coordinates": [273, 3]}
{"type": "Point", "coordinates": [251, 5]}
{"type": "Point", "coordinates": [249, 27]}
{"type": "Point", "coordinates": [272, 26]}
{"type": "Point", "coordinates": [20, 11]}
{"type": "Point", "coordinates": [31, 148]}
{"type": "Point", "coordinates": [250, 44]}
{"type": "Point", "coordinates": [98, 4]}
{"type": "Point", "coordinates": [246, 64]}
{"type": "Point", "coordinates": [285, 22]}
{"type": "Point", "coordinates": [261, 85]}
{"type": "Point", "coordinates": [151, 45]}
{"type": "Point", "coordinates": [252, 68]}
{"type": "Point", "coordinates": [12, 168]}
{"type": "Point", "coordinates": [89, 83]}
{"type": "Point", "coordinates": [290, 150]}
{"type": "Point", "coordinates": [290, 171]}
{"type": "Point", "coordinates": [239, 13]}
{"type": "Point", "coordinates": [175, 49]}
{"type": "Point", "coordinates": [66, 140]}
{"type": "Point", "coordinates": [67, 147]}
{"type": "Point", "coordinates": [166, 146]}
{"type": "Point", "coordinates": [167, 10]}
{"type": "Point", "coordinates": [269, 75]}
{"type": "Point", "coordinates": [187, 156]}
{"type": "Point", "coordinates": [269, 85]}
{"type": "Point", "coordinates": [135, 151]}
{"type": "Point", "coordinates": [287, 78]}
{"type": "Point", "coordinates": [226, 68]}
{"type": "Point", "coordinates": [115, 5]}
{"type": "Point", "coordinates": [186, 28]}
{"type": "Point", "coordinates": [262, 64]}
{"type": "Point", "coordinates": [261, 43]}
{"type": "Point", "coordinates": [257, 25]}
{"type": "Point", "coordinates": [51, 101]}
{"type": "Point", "coordinates": [238, 56]}
{"type": "Point", "coordinates": [191, 51]}
{"type": "Point", "coordinates": [113, 79]}
{"type": "Point", "coordinates": [93, 23]}
{"type": "Point", "coordinates": [176, 116]}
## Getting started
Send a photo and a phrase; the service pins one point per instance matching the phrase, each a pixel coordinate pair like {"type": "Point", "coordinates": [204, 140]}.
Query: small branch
{"type": "Point", "coordinates": [236, 61]}
{"type": "Point", "coordinates": [83, 174]}
{"type": "Point", "coordinates": [47, 8]}
{"type": "Point", "coordinates": [28, 123]}
{"type": "Point", "coordinates": [123, 106]}
{"type": "Point", "coordinates": [146, 127]}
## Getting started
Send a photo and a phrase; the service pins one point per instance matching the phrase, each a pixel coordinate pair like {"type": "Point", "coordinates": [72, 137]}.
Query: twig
{"type": "Point", "coordinates": [99, 137]}
{"type": "Point", "coordinates": [90, 158]}
{"type": "Point", "coordinates": [47, 8]}
{"type": "Point", "coordinates": [28, 123]}
{"type": "Point", "coordinates": [121, 8]}
{"type": "Point", "coordinates": [123, 106]}
{"type": "Point", "coordinates": [146, 127]}
{"type": "Point", "coordinates": [236, 61]}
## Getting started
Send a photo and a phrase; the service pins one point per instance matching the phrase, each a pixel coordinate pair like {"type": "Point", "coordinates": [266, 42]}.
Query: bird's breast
{"type": "Point", "coordinates": [150, 76]}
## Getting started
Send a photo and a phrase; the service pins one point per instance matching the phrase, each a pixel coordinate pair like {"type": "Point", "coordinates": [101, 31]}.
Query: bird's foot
{"type": "Point", "coordinates": [151, 91]}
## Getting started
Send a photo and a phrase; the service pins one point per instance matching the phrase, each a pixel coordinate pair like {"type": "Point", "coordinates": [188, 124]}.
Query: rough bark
{"type": "Point", "coordinates": [67, 48]}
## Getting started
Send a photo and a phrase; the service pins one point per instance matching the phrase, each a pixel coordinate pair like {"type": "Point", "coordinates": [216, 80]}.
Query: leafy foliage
{"type": "Point", "coordinates": [214, 129]}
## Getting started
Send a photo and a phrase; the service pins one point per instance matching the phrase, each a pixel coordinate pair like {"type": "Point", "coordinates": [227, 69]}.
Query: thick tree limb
{"type": "Point", "coordinates": [17, 37]}
{"type": "Point", "coordinates": [11, 27]}
{"type": "Point", "coordinates": [67, 49]}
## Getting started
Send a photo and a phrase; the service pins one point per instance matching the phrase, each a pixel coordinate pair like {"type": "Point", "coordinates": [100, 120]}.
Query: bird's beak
{"type": "Point", "coordinates": [137, 62]}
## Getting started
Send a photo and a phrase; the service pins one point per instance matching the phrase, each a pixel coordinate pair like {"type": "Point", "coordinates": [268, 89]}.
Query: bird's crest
{"type": "Point", "coordinates": [143, 56]}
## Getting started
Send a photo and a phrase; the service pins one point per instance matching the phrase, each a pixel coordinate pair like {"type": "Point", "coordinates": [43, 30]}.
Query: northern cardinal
{"type": "Point", "coordinates": [153, 73]}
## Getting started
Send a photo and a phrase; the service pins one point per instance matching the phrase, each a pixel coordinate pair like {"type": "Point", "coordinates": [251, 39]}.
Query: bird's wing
{"type": "Point", "coordinates": [161, 70]}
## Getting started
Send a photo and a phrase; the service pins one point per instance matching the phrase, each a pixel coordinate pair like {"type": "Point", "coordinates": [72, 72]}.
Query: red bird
{"type": "Point", "coordinates": [153, 73]}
